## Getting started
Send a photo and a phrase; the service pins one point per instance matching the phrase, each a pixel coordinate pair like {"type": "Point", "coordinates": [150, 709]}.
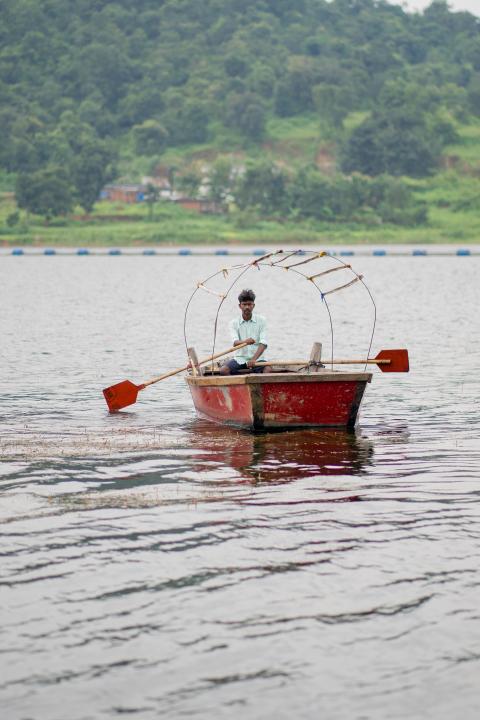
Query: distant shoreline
{"type": "Point", "coordinates": [219, 234]}
{"type": "Point", "coordinates": [113, 225]}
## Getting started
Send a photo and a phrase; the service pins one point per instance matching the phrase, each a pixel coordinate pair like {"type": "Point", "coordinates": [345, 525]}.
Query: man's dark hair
{"type": "Point", "coordinates": [246, 296]}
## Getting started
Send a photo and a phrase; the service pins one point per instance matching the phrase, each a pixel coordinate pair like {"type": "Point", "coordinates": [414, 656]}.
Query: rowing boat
{"type": "Point", "coordinates": [294, 393]}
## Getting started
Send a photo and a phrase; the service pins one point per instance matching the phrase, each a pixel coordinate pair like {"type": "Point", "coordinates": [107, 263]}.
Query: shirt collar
{"type": "Point", "coordinates": [253, 319]}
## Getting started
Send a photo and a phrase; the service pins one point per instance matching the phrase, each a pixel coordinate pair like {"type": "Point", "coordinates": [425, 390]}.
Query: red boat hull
{"type": "Point", "coordinates": [280, 400]}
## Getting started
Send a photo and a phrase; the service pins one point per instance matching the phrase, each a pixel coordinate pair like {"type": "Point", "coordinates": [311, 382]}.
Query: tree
{"type": "Point", "coordinates": [263, 185]}
{"type": "Point", "coordinates": [188, 123]}
{"type": "Point", "coordinates": [87, 159]}
{"type": "Point", "coordinates": [474, 95]}
{"type": "Point", "coordinates": [94, 112]}
{"type": "Point", "coordinates": [90, 170]}
{"type": "Point", "coordinates": [332, 103]}
{"type": "Point", "coordinates": [397, 143]}
{"type": "Point", "coordinates": [246, 112]}
{"type": "Point", "coordinates": [25, 150]}
{"type": "Point", "coordinates": [236, 64]}
{"type": "Point", "coordinates": [152, 195]}
{"type": "Point", "coordinates": [294, 93]}
{"type": "Point", "coordinates": [262, 80]}
{"type": "Point", "coordinates": [220, 180]}
{"type": "Point", "coordinates": [140, 104]}
{"type": "Point", "coordinates": [106, 67]}
{"type": "Point", "coordinates": [310, 195]}
{"type": "Point", "coordinates": [189, 182]}
{"type": "Point", "coordinates": [46, 192]}
{"type": "Point", "coordinates": [150, 138]}
{"type": "Point", "coordinates": [342, 199]}
{"type": "Point", "coordinates": [394, 202]}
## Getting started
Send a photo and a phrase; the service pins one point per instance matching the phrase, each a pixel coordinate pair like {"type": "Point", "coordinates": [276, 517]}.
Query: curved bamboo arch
{"type": "Point", "coordinates": [277, 264]}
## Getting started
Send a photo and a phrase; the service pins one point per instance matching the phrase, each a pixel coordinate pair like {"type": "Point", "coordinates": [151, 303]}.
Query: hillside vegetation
{"type": "Point", "coordinates": [346, 119]}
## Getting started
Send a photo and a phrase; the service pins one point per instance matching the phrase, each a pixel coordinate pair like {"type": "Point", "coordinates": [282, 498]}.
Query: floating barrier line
{"type": "Point", "coordinates": [244, 251]}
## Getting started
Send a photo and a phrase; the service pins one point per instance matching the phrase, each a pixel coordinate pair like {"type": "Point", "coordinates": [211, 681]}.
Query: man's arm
{"type": "Point", "coordinates": [262, 332]}
{"type": "Point", "coordinates": [261, 349]}
{"type": "Point", "coordinates": [262, 342]}
{"type": "Point", "coordinates": [249, 341]}
{"type": "Point", "coordinates": [235, 335]}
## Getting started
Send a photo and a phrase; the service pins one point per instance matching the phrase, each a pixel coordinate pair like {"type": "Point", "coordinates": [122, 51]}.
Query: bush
{"type": "Point", "coordinates": [13, 219]}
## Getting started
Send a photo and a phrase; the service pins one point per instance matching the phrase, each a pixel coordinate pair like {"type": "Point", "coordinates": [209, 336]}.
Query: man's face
{"type": "Point", "coordinates": [247, 308]}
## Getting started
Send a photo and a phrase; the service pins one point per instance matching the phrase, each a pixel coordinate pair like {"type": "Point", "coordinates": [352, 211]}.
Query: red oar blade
{"type": "Point", "coordinates": [121, 395]}
{"type": "Point", "coordinates": [398, 360]}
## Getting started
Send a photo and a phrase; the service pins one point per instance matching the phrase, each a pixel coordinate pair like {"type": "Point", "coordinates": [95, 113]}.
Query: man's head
{"type": "Point", "coordinates": [246, 303]}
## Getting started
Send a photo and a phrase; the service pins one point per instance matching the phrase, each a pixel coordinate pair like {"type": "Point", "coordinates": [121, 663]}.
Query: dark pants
{"type": "Point", "coordinates": [236, 367]}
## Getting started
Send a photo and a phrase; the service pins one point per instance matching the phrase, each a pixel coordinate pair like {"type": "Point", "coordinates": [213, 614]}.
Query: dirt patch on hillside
{"type": "Point", "coordinates": [325, 160]}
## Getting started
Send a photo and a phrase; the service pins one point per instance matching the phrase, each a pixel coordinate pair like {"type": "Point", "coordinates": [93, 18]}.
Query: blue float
{"type": "Point", "coordinates": [49, 251]}
{"type": "Point", "coordinates": [259, 252]}
{"type": "Point", "coordinates": [221, 252]}
{"type": "Point", "coordinates": [463, 252]}
{"type": "Point", "coordinates": [419, 252]}
{"type": "Point", "coordinates": [17, 251]}
{"type": "Point", "coordinates": [184, 251]}
{"type": "Point", "coordinates": [346, 252]}
{"type": "Point", "coordinates": [379, 252]}
{"type": "Point", "coordinates": [83, 251]}
{"type": "Point", "coordinates": [114, 251]}
{"type": "Point", "coordinates": [149, 252]}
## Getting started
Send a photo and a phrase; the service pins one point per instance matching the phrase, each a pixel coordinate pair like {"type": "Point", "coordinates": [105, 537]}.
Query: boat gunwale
{"type": "Point", "coordinates": [271, 378]}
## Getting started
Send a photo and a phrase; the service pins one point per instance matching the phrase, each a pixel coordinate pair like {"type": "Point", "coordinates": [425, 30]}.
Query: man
{"type": "Point", "coordinates": [252, 328]}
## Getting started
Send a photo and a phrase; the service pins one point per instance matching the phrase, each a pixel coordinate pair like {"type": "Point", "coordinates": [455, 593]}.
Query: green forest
{"type": "Point", "coordinates": [300, 119]}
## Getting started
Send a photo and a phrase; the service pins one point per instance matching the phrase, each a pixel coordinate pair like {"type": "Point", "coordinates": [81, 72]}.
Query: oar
{"type": "Point", "coordinates": [387, 361]}
{"type": "Point", "coordinates": [125, 393]}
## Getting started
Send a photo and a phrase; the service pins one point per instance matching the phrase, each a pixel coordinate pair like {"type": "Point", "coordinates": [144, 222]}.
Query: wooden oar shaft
{"type": "Point", "coordinates": [370, 361]}
{"type": "Point", "coordinates": [200, 362]}
{"type": "Point", "coordinates": [325, 361]}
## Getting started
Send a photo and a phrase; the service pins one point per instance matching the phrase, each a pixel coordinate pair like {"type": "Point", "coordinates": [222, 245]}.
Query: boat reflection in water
{"type": "Point", "coordinates": [214, 463]}
{"type": "Point", "coordinates": [278, 457]}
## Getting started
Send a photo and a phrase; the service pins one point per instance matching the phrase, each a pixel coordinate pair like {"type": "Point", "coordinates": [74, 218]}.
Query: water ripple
{"type": "Point", "coordinates": [155, 565]}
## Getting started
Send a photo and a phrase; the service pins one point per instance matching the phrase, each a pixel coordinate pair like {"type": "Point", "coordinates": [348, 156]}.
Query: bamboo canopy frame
{"type": "Point", "coordinates": [305, 263]}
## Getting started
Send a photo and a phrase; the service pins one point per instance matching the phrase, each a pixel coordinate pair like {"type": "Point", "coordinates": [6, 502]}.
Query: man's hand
{"type": "Point", "coordinates": [251, 363]}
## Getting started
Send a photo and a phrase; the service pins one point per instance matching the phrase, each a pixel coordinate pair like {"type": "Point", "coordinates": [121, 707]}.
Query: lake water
{"type": "Point", "coordinates": [156, 565]}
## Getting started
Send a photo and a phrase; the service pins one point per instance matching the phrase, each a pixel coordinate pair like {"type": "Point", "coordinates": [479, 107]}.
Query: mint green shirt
{"type": "Point", "coordinates": [255, 328]}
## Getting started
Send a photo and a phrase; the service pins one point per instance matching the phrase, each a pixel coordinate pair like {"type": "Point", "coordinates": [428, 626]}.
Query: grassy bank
{"type": "Point", "coordinates": [452, 219]}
